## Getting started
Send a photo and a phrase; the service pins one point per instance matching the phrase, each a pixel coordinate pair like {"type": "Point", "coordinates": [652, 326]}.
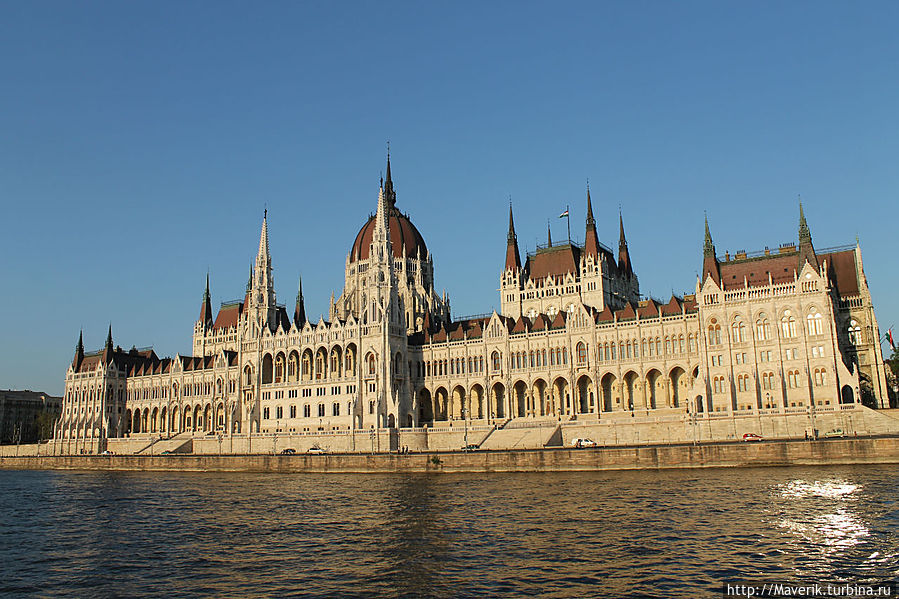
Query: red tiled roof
{"type": "Point", "coordinates": [626, 313]}
{"type": "Point", "coordinates": [559, 321]}
{"type": "Point", "coordinates": [555, 261]}
{"type": "Point", "coordinates": [606, 315]}
{"type": "Point", "coordinates": [842, 271]}
{"type": "Point", "coordinates": [648, 309]}
{"type": "Point", "coordinates": [673, 307]}
{"type": "Point", "coordinates": [520, 326]}
{"type": "Point", "coordinates": [228, 316]}
{"type": "Point", "coordinates": [458, 333]}
{"type": "Point", "coordinates": [782, 268]}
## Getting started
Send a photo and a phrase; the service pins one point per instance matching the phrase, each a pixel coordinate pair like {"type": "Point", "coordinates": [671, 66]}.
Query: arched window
{"type": "Point", "coordinates": [768, 381]}
{"type": "Point", "coordinates": [788, 325]}
{"type": "Point", "coordinates": [279, 369]}
{"type": "Point", "coordinates": [814, 319]}
{"type": "Point", "coordinates": [496, 359]}
{"type": "Point", "coordinates": [855, 333]}
{"type": "Point", "coordinates": [743, 382]}
{"type": "Point", "coordinates": [762, 328]}
{"type": "Point", "coordinates": [307, 366]}
{"type": "Point", "coordinates": [372, 364]}
{"type": "Point", "coordinates": [714, 332]}
{"type": "Point", "coordinates": [738, 330]}
{"type": "Point", "coordinates": [581, 353]}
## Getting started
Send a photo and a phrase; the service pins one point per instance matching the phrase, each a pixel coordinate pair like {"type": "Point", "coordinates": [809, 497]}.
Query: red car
{"type": "Point", "coordinates": [751, 437]}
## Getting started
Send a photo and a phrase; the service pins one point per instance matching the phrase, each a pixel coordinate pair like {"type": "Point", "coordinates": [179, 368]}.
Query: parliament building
{"type": "Point", "coordinates": [768, 333]}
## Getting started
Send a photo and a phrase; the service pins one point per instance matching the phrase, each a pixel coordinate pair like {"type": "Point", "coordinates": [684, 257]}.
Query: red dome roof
{"type": "Point", "coordinates": [403, 234]}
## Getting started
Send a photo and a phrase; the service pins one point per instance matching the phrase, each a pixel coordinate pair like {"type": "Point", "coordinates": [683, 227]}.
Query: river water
{"type": "Point", "coordinates": [603, 534]}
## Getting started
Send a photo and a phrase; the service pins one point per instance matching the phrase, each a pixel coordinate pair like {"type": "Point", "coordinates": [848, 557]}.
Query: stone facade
{"type": "Point", "coordinates": [768, 334]}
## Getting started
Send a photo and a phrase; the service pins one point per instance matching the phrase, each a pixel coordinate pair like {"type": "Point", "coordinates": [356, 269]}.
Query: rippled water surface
{"type": "Point", "coordinates": [608, 534]}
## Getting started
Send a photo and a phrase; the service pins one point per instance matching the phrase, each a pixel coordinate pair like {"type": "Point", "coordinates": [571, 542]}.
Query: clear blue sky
{"type": "Point", "coordinates": [140, 141]}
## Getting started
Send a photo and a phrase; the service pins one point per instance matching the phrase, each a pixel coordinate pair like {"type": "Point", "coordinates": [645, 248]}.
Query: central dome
{"type": "Point", "coordinates": [404, 237]}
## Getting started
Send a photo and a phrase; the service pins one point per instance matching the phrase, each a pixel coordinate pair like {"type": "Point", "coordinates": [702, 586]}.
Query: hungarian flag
{"type": "Point", "coordinates": [564, 214]}
{"type": "Point", "coordinates": [890, 337]}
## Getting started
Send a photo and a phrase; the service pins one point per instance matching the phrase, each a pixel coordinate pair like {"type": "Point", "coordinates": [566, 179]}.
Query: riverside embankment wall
{"type": "Point", "coordinates": [787, 453]}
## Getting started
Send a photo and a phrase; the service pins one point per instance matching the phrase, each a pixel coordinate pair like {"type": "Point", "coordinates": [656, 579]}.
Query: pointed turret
{"type": "Point", "coordinates": [591, 239]}
{"type": "Point", "coordinates": [389, 193]}
{"type": "Point", "coordinates": [248, 294]}
{"type": "Point", "coordinates": [806, 249]}
{"type": "Point", "coordinates": [709, 260]}
{"type": "Point", "coordinates": [79, 351]}
{"type": "Point", "coordinates": [206, 308]}
{"type": "Point", "coordinates": [624, 257]}
{"type": "Point", "coordinates": [263, 254]}
{"type": "Point", "coordinates": [263, 287]}
{"type": "Point", "coordinates": [107, 349]}
{"type": "Point", "coordinates": [549, 235]}
{"type": "Point", "coordinates": [380, 239]}
{"type": "Point", "coordinates": [513, 258]}
{"type": "Point", "coordinates": [299, 313]}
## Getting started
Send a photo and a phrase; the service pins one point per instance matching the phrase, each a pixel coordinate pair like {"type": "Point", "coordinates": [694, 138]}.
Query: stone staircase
{"type": "Point", "coordinates": [520, 438]}
{"type": "Point", "coordinates": [180, 443]}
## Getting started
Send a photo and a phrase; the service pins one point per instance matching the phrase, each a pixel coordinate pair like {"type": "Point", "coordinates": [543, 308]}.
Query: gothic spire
{"type": "Point", "coordinates": [710, 266]}
{"type": "Point", "coordinates": [708, 247]}
{"type": "Point", "coordinates": [591, 239]}
{"type": "Point", "coordinates": [263, 287]}
{"type": "Point", "coordinates": [513, 258]}
{"type": "Point", "coordinates": [79, 351]}
{"type": "Point", "coordinates": [107, 350]}
{"type": "Point", "coordinates": [389, 192]}
{"type": "Point", "coordinates": [299, 313]}
{"type": "Point", "coordinates": [206, 308]}
{"type": "Point", "coordinates": [549, 235]}
{"type": "Point", "coordinates": [624, 257]}
{"type": "Point", "coordinates": [806, 248]}
{"type": "Point", "coordinates": [263, 256]}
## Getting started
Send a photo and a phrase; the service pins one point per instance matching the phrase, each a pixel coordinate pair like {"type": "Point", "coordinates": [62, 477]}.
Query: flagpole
{"type": "Point", "coordinates": [568, 220]}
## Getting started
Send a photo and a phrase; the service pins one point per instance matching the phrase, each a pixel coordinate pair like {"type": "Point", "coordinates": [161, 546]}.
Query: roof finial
{"type": "Point", "coordinates": [549, 235]}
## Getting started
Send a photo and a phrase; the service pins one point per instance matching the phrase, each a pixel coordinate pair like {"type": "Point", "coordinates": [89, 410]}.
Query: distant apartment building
{"type": "Point", "coordinates": [27, 416]}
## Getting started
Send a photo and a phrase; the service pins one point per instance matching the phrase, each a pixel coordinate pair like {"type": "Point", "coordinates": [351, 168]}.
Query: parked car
{"type": "Point", "coordinates": [837, 432]}
{"type": "Point", "coordinates": [580, 442]}
{"type": "Point", "coordinates": [470, 447]}
{"type": "Point", "coordinates": [751, 437]}
{"type": "Point", "coordinates": [107, 452]}
{"type": "Point", "coordinates": [288, 451]}
{"type": "Point", "coordinates": [315, 449]}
